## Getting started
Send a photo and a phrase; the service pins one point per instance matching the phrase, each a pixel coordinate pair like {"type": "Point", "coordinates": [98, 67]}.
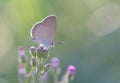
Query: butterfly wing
{"type": "Point", "coordinates": [44, 32]}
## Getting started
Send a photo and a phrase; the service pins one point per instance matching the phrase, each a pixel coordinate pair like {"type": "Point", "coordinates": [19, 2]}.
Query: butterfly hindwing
{"type": "Point", "coordinates": [44, 32]}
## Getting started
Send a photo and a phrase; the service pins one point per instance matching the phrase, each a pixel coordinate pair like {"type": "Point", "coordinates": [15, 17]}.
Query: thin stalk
{"type": "Point", "coordinates": [55, 78]}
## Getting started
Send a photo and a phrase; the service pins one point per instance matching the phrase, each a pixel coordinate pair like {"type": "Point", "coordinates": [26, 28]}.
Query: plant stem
{"type": "Point", "coordinates": [55, 78]}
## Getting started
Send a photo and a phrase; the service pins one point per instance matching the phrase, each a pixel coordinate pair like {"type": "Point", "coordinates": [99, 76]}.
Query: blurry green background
{"type": "Point", "coordinates": [89, 28]}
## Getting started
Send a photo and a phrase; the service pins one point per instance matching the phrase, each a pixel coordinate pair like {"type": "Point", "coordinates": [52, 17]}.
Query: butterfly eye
{"type": "Point", "coordinates": [52, 43]}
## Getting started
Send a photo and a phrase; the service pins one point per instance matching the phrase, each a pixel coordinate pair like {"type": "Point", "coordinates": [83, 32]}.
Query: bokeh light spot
{"type": "Point", "coordinates": [105, 20]}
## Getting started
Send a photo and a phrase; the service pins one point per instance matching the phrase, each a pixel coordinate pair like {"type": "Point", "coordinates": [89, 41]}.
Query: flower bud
{"type": "Point", "coordinates": [39, 53]}
{"type": "Point", "coordinates": [56, 70]}
{"type": "Point", "coordinates": [71, 71]}
{"type": "Point", "coordinates": [32, 51]}
{"type": "Point", "coordinates": [55, 63]}
{"type": "Point", "coordinates": [47, 67]}
{"type": "Point", "coordinates": [45, 54]}
{"type": "Point", "coordinates": [42, 53]}
{"type": "Point", "coordinates": [33, 62]}
{"type": "Point", "coordinates": [21, 72]}
{"type": "Point", "coordinates": [22, 55]}
{"type": "Point", "coordinates": [41, 46]}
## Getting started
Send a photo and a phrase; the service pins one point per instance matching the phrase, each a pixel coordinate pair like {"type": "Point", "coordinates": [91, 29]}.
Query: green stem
{"type": "Point", "coordinates": [55, 78]}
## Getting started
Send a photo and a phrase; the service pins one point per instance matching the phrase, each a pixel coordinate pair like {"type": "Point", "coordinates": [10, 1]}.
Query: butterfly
{"type": "Point", "coordinates": [43, 32]}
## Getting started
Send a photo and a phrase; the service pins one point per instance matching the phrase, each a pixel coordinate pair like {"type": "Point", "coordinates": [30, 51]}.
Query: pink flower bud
{"type": "Point", "coordinates": [71, 69]}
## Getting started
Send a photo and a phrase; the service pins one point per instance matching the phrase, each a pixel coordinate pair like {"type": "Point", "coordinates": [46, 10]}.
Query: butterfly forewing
{"type": "Point", "coordinates": [44, 32]}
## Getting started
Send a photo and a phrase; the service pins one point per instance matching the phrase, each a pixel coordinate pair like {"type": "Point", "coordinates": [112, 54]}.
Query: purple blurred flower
{"type": "Point", "coordinates": [21, 51]}
{"type": "Point", "coordinates": [69, 74]}
{"type": "Point", "coordinates": [55, 62]}
{"type": "Point", "coordinates": [71, 69]}
{"type": "Point", "coordinates": [21, 71]}
{"type": "Point", "coordinates": [22, 55]}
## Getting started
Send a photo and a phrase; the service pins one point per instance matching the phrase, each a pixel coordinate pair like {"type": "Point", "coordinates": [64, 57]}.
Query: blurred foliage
{"type": "Point", "coordinates": [96, 57]}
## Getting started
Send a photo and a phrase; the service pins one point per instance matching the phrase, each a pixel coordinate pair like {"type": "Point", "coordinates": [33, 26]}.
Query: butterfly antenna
{"type": "Point", "coordinates": [59, 42]}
